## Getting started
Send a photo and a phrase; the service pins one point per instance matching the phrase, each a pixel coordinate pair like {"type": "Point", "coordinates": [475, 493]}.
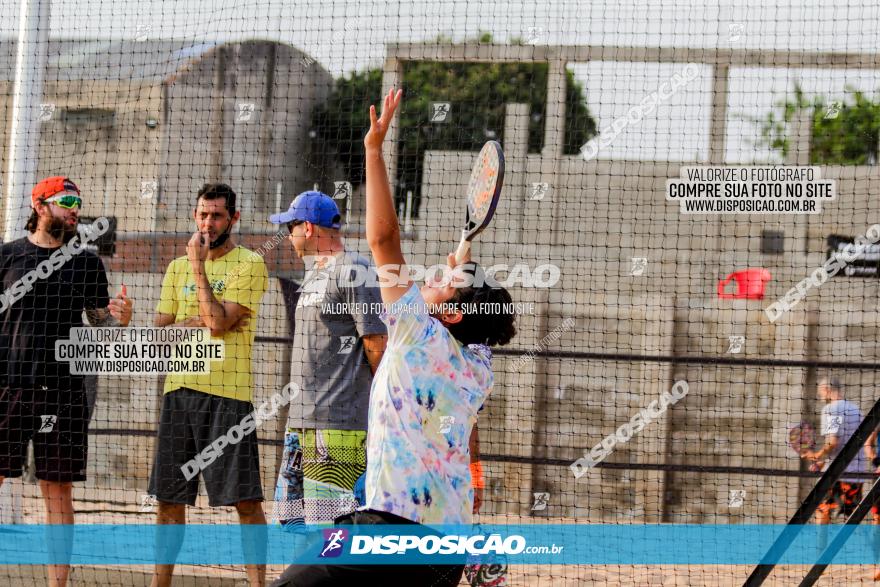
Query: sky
{"type": "Point", "coordinates": [347, 35]}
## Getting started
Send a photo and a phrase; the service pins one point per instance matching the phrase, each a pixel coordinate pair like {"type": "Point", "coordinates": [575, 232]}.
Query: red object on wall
{"type": "Point", "coordinates": [750, 284]}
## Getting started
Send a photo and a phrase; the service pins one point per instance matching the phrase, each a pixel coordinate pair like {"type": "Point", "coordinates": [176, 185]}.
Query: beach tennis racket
{"type": "Point", "coordinates": [802, 438]}
{"type": "Point", "coordinates": [484, 188]}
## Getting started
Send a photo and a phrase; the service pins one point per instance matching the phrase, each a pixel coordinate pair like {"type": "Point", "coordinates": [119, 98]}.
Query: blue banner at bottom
{"type": "Point", "coordinates": [558, 544]}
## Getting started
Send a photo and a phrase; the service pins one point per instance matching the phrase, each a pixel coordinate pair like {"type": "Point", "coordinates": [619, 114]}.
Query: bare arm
{"type": "Point", "coordinates": [163, 320]}
{"type": "Point", "coordinates": [871, 447]}
{"type": "Point", "coordinates": [383, 230]}
{"type": "Point", "coordinates": [831, 442]}
{"type": "Point", "coordinates": [476, 469]}
{"type": "Point", "coordinates": [374, 348]}
{"type": "Point", "coordinates": [220, 317]}
{"type": "Point", "coordinates": [474, 444]}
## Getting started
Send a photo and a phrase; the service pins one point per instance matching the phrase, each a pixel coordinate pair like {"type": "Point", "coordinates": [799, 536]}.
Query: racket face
{"type": "Point", "coordinates": [484, 187]}
{"type": "Point", "coordinates": [802, 437]}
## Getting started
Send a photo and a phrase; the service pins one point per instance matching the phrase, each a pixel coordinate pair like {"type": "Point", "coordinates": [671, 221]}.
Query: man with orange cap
{"type": "Point", "coordinates": [47, 281]}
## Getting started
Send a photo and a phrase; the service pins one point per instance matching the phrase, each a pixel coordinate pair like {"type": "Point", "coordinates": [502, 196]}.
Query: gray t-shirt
{"type": "Point", "coordinates": [841, 418]}
{"type": "Point", "coordinates": [338, 304]}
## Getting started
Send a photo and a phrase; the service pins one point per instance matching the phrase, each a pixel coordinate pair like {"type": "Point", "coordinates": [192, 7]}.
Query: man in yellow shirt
{"type": "Point", "coordinates": [217, 285]}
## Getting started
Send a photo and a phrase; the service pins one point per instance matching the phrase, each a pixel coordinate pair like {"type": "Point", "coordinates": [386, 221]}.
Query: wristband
{"type": "Point", "coordinates": [477, 479]}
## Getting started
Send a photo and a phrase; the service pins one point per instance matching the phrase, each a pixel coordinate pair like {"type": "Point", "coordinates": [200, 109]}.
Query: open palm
{"type": "Point", "coordinates": [379, 126]}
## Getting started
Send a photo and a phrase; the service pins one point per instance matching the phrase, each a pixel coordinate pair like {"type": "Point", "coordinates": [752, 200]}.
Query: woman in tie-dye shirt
{"type": "Point", "coordinates": [435, 373]}
{"type": "Point", "coordinates": [432, 380]}
{"type": "Point", "coordinates": [423, 405]}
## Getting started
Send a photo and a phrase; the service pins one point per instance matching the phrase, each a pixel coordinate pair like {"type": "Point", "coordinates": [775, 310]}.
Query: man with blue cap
{"type": "Point", "coordinates": [337, 345]}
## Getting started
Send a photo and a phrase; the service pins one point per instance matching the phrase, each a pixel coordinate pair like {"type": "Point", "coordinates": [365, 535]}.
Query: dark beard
{"type": "Point", "coordinates": [219, 241]}
{"type": "Point", "coordinates": [224, 236]}
{"type": "Point", "coordinates": [59, 230]}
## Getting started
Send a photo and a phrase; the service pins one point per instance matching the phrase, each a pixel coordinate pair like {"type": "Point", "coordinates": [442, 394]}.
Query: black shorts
{"type": "Point", "coordinates": [385, 575]}
{"type": "Point", "coordinates": [57, 420]}
{"type": "Point", "coordinates": [190, 423]}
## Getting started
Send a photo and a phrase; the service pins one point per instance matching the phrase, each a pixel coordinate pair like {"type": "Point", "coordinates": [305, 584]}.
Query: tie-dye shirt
{"type": "Point", "coordinates": [423, 406]}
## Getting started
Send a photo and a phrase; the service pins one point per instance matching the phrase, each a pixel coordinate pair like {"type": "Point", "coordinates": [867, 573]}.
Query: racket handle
{"type": "Point", "coordinates": [464, 248]}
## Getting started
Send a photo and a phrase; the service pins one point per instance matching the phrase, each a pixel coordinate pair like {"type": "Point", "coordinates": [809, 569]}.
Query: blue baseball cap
{"type": "Point", "coordinates": [315, 207]}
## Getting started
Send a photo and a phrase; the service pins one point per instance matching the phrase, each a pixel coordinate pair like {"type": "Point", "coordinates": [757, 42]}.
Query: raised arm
{"type": "Point", "coordinates": [374, 348]}
{"type": "Point", "coordinates": [383, 230]}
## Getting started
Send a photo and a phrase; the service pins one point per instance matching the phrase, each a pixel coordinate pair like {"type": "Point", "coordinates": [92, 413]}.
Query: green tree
{"type": "Point", "coordinates": [477, 93]}
{"type": "Point", "coordinates": [844, 132]}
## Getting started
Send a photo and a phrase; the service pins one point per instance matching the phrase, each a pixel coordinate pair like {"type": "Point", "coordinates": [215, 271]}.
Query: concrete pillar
{"type": "Point", "coordinates": [10, 502]}
{"type": "Point", "coordinates": [650, 486]}
{"type": "Point", "coordinates": [718, 136]}
{"type": "Point", "coordinates": [264, 199]}
{"type": "Point", "coordinates": [22, 154]}
{"type": "Point", "coordinates": [554, 131]}
{"type": "Point", "coordinates": [718, 126]}
{"type": "Point", "coordinates": [554, 121]}
{"type": "Point", "coordinates": [218, 115]}
{"type": "Point", "coordinates": [801, 133]}
{"type": "Point", "coordinates": [516, 135]}
{"type": "Point", "coordinates": [791, 388]}
{"type": "Point", "coordinates": [392, 77]}
{"type": "Point", "coordinates": [799, 154]}
{"type": "Point", "coordinates": [541, 404]}
{"type": "Point", "coordinates": [516, 148]}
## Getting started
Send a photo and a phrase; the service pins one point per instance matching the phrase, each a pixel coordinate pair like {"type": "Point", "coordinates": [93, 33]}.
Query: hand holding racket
{"type": "Point", "coordinates": [802, 438]}
{"type": "Point", "coordinates": [484, 189]}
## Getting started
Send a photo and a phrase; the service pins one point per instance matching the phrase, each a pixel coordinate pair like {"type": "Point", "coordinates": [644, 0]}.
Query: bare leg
{"type": "Point", "coordinates": [823, 518]}
{"type": "Point", "coordinates": [169, 513]}
{"type": "Point", "coordinates": [59, 510]}
{"type": "Point", "coordinates": [251, 512]}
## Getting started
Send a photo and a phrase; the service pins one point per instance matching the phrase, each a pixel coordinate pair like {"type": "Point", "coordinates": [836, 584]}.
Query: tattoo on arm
{"type": "Point", "coordinates": [101, 317]}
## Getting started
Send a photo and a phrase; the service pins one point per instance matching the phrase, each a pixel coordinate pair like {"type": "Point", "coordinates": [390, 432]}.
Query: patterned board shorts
{"type": "Point", "coordinates": [843, 497]}
{"type": "Point", "coordinates": [486, 570]}
{"type": "Point", "coordinates": [319, 469]}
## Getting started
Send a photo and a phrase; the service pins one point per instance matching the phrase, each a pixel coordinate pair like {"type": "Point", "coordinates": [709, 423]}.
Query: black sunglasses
{"type": "Point", "coordinates": [294, 224]}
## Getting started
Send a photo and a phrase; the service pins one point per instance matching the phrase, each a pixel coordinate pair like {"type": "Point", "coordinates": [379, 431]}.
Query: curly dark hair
{"type": "Point", "coordinates": [492, 328]}
{"type": "Point", "coordinates": [32, 222]}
